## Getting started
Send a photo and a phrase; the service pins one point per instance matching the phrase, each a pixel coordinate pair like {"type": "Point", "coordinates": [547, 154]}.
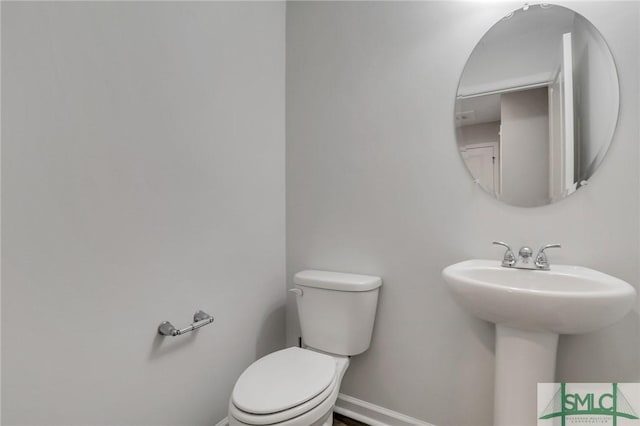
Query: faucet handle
{"type": "Point", "coordinates": [541, 258]}
{"type": "Point", "coordinates": [509, 258]}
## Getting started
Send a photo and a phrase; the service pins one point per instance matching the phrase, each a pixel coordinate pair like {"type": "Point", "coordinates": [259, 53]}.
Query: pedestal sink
{"type": "Point", "coordinates": [530, 309]}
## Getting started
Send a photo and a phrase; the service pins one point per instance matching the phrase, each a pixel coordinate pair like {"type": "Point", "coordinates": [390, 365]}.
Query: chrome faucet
{"type": "Point", "coordinates": [509, 258]}
{"type": "Point", "coordinates": [524, 255]}
{"type": "Point", "coordinates": [542, 262]}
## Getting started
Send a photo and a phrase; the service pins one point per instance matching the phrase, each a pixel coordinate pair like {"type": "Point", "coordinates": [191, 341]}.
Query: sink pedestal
{"type": "Point", "coordinates": [523, 359]}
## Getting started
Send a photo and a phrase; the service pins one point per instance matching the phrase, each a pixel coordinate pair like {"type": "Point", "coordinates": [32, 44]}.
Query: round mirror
{"type": "Point", "coordinates": [537, 105]}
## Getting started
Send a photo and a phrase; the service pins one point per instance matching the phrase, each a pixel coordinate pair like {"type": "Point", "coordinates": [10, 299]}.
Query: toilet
{"type": "Point", "coordinates": [299, 386]}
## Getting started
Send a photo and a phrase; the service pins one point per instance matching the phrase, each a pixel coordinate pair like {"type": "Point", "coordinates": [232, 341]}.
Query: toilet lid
{"type": "Point", "coordinates": [282, 380]}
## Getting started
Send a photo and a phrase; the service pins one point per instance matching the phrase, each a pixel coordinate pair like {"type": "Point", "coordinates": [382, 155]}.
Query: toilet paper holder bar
{"type": "Point", "coordinates": [200, 319]}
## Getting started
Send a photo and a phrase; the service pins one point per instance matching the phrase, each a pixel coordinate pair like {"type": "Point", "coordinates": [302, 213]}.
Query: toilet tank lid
{"type": "Point", "coordinates": [339, 281]}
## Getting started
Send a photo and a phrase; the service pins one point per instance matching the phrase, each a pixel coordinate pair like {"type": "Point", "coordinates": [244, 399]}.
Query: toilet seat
{"type": "Point", "coordinates": [282, 416]}
{"type": "Point", "coordinates": [283, 385]}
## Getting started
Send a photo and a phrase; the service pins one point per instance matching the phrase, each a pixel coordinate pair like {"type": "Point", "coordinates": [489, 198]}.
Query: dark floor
{"type": "Point", "coordinates": [340, 420]}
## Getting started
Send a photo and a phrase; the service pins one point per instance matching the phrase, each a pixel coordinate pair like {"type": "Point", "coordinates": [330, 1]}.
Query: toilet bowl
{"type": "Point", "coordinates": [290, 387]}
{"type": "Point", "coordinates": [299, 386]}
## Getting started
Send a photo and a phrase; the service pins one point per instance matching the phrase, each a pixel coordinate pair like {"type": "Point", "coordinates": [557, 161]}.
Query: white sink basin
{"type": "Point", "coordinates": [564, 300]}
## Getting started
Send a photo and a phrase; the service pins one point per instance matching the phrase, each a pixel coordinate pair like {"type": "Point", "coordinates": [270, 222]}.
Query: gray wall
{"type": "Point", "coordinates": [525, 147]}
{"type": "Point", "coordinates": [375, 185]}
{"type": "Point", "coordinates": [479, 133]}
{"type": "Point", "coordinates": [540, 30]}
{"type": "Point", "coordinates": [595, 102]}
{"type": "Point", "coordinates": [142, 179]}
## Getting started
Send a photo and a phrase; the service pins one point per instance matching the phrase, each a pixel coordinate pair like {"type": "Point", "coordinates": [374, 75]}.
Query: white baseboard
{"type": "Point", "coordinates": [366, 412]}
{"type": "Point", "coordinates": [373, 415]}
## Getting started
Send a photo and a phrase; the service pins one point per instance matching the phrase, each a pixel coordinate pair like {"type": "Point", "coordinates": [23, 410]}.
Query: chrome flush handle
{"type": "Point", "coordinates": [542, 262]}
{"type": "Point", "coordinates": [509, 258]}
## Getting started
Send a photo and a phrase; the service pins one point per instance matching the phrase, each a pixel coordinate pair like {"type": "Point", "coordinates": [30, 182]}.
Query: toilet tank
{"type": "Point", "coordinates": [337, 310]}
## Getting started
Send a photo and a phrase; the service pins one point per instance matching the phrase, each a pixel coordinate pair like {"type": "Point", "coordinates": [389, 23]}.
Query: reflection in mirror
{"type": "Point", "coordinates": [537, 105]}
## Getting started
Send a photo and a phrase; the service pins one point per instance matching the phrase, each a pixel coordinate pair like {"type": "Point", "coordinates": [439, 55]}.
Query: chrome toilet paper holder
{"type": "Point", "coordinates": [200, 319]}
